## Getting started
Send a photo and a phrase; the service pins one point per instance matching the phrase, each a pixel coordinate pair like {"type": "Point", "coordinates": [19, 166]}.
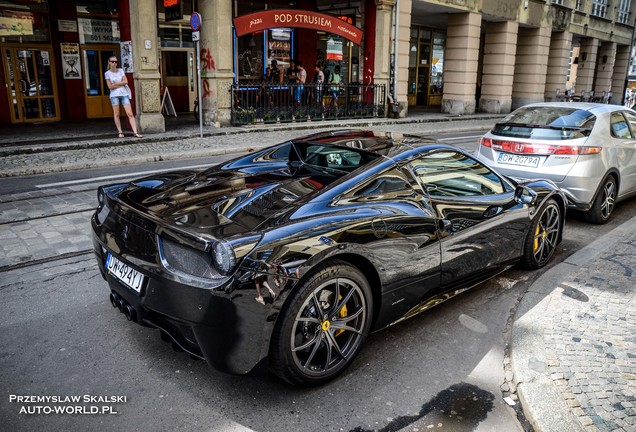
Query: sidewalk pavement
{"type": "Point", "coordinates": [574, 340]}
{"type": "Point", "coordinates": [41, 148]}
{"type": "Point", "coordinates": [41, 136]}
{"type": "Point", "coordinates": [573, 348]}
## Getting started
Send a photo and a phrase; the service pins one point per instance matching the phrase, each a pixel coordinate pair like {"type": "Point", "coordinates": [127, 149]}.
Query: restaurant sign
{"type": "Point", "coordinates": [259, 21]}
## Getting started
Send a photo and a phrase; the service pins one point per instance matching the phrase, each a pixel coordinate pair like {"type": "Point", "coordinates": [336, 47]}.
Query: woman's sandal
{"type": "Point", "coordinates": [121, 134]}
{"type": "Point", "coordinates": [138, 135]}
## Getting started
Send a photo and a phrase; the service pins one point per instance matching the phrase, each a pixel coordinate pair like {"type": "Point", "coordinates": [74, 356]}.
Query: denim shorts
{"type": "Point", "coordinates": [119, 100]}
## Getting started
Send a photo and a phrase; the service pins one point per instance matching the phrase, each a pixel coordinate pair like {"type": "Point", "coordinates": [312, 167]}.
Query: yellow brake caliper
{"type": "Point", "coordinates": [341, 314]}
{"type": "Point", "coordinates": [539, 234]}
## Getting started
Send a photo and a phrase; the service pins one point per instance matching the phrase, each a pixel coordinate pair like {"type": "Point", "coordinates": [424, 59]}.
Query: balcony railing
{"type": "Point", "coordinates": [278, 103]}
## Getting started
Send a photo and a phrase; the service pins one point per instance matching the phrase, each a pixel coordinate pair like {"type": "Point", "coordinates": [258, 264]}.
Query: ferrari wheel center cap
{"type": "Point", "coordinates": [325, 325]}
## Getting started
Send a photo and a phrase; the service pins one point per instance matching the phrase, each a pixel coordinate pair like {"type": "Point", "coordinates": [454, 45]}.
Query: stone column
{"type": "Point", "coordinates": [383, 38]}
{"type": "Point", "coordinates": [604, 68]}
{"type": "Point", "coordinates": [143, 24]}
{"type": "Point", "coordinates": [558, 64]}
{"type": "Point", "coordinates": [533, 49]}
{"type": "Point", "coordinates": [404, 35]}
{"type": "Point", "coordinates": [498, 67]}
{"type": "Point", "coordinates": [460, 63]}
{"type": "Point", "coordinates": [620, 74]}
{"type": "Point", "coordinates": [216, 61]}
{"type": "Point", "coordinates": [587, 65]}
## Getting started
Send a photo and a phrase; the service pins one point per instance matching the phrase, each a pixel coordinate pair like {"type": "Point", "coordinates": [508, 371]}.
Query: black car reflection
{"type": "Point", "coordinates": [295, 253]}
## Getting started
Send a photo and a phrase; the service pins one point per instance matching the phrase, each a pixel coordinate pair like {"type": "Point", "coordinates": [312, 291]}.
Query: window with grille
{"type": "Point", "coordinates": [622, 15]}
{"type": "Point", "coordinates": [599, 8]}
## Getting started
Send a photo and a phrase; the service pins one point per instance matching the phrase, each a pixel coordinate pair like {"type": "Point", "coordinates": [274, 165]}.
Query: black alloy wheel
{"type": "Point", "coordinates": [604, 202]}
{"type": "Point", "coordinates": [323, 325]}
{"type": "Point", "coordinates": [543, 236]}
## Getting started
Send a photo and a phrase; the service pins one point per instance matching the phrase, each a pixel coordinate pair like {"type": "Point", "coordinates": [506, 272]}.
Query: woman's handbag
{"type": "Point", "coordinates": [129, 92]}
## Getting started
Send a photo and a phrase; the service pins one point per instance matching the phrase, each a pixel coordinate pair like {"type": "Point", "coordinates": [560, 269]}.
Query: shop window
{"type": "Point", "coordinates": [175, 36]}
{"type": "Point", "coordinates": [250, 57]}
{"type": "Point", "coordinates": [437, 65]}
{"type": "Point", "coordinates": [426, 66]}
{"type": "Point", "coordinates": [332, 51]}
{"type": "Point", "coordinates": [279, 47]}
{"type": "Point", "coordinates": [25, 26]}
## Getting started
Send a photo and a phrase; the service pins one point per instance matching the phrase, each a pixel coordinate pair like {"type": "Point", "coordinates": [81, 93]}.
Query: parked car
{"type": "Point", "coordinates": [587, 149]}
{"type": "Point", "coordinates": [296, 252]}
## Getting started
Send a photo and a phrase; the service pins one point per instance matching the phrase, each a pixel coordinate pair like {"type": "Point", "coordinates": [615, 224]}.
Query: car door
{"type": "Point", "coordinates": [401, 239]}
{"type": "Point", "coordinates": [481, 225]}
{"type": "Point", "coordinates": [624, 150]}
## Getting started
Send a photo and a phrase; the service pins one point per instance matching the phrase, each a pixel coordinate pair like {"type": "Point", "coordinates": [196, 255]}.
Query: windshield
{"type": "Point", "coordinates": [333, 157]}
{"type": "Point", "coordinates": [546, 123]}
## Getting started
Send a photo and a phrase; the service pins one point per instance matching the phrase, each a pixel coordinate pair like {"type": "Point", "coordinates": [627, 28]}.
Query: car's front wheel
{"type": "Point", "coordinates": [543, 236]}
{"type": "Point", "coordinates": [323, 325]}
{"type": "Point", "coordinates": [604, 202]}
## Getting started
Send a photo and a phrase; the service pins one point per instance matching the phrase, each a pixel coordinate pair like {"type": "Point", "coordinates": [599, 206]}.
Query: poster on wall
{"type": "Point", "coordinates": [71, 60]}
{"type": "Point", "coordinates": [126, 56]}
{"type": "Point", "coordinates": [11, 26]}
{"type": "Point", "coordinates": [334, 49]}
{"type": "Point", "coordinates": [93, 30]}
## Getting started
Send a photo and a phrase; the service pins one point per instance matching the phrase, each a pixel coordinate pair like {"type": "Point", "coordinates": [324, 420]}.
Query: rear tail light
{"type": "Point", "coordinates": [538, 149]}
{"type": "Point", "coordinates": [590, 150]}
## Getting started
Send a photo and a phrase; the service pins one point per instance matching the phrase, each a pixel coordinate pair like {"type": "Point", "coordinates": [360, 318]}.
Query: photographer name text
{"type": "Point", "coordinates": [70, 404]}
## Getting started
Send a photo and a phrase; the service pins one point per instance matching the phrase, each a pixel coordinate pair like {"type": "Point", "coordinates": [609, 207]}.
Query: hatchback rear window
{"type": "Point", "coordinates": [546, 123]}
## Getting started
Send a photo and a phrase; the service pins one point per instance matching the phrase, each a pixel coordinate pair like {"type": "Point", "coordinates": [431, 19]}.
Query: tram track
{"type": "Point", "coordinates": [51, 221]}
{"type": "Point", "coordinates": [82, 253]}
{"type": "Point", "coordinates": [43, 228]}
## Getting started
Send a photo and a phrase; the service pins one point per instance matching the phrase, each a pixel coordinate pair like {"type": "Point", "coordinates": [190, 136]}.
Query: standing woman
{"type": "Point", "coordinates": [117, 82]}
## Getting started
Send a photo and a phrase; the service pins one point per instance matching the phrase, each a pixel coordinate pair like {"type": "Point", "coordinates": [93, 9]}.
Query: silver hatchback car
{"type": "Point", "coordinates": [587, 149]}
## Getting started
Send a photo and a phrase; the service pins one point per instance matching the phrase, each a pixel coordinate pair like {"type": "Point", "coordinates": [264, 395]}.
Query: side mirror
{"type": "Point", "coordinates": [524, 195]}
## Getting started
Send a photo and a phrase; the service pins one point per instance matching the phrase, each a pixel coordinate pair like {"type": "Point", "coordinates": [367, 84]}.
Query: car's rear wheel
{"type": "Point", "coordinates": [323, 325]}
{"type": "Point", "coordinates": [604, 203]}
{"type": "Point", "coordinates": [543, 236]}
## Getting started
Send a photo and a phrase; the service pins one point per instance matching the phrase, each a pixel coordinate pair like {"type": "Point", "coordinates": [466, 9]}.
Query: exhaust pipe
{"type": "Point", "coordinates": [118, 302]}
{"type": "Point", "coordinates": [131, 314]}
{"type": "Point", "coordinates": [113, 299]}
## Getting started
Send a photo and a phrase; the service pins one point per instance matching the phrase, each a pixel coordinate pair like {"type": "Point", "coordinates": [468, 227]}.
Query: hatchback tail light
{"type": "Point", "coordinates": [538, 149]}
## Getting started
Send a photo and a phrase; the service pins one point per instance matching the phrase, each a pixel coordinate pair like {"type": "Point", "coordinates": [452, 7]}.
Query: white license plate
{"type": "Point", "coordinates": [521, 160]}
{"type": "Point", "coordinates": [122, 271]}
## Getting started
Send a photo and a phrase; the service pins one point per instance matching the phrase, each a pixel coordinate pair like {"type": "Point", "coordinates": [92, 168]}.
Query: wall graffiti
{"type": "Point", "coordinates": [207, 60]}
{"type": "Point", "coordinates": [207, 91]}
{"type": "Point", "coordinates": [208, 65]}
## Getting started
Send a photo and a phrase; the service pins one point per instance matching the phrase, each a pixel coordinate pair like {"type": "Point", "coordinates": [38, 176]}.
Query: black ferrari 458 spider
{"type": "Point", "coordinates": [293, 254]}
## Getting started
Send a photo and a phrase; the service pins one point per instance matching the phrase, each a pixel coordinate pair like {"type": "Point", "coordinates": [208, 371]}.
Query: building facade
{"type": "Point", "coordinates": [457, 57]}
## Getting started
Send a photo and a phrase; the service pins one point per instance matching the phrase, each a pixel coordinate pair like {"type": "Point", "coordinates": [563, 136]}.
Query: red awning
{"type": "Point", "coordinates": [292, 18]}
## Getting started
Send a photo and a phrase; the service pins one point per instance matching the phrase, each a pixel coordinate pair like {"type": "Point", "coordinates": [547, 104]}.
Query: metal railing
{"type": "Point", "coordinates": [280, 103]}
{"type": "Point", "coordinates": [584, 96]}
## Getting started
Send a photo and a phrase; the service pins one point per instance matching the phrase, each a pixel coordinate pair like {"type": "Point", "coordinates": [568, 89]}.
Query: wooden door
{"type": "Point", "coordinates": [95, 63]}
{"type": "Point", "coordinates": [31, 83]}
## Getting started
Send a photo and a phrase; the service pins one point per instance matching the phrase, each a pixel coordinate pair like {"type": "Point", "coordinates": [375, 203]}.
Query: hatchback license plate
{"type": "Point", "coordinates": [521, 160]}
{"type": "Point", "coordinates": [122, 271]}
